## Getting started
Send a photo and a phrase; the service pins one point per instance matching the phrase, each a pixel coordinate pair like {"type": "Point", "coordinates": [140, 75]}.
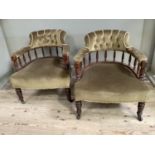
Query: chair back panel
{"type": "Point", "coordinates": [107, 40]}
{"type": "Point", "coordinates": [48, 37]}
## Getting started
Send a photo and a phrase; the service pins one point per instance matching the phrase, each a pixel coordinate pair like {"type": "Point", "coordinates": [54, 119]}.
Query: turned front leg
{"type": "Point", "coordinates": [78, 108]}
{"type": "Point", "coordinates": [69, 95]}
{"type": "Point", "coordinates": [19, 94]}
{"type": "Point", "coordinates": [141, 106]}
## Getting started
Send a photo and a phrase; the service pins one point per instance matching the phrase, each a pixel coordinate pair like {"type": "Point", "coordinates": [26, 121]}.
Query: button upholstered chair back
{"type": "Point", "coordinates": [48, 37]}
{"type": "Point", "coordinates": [107, 40]}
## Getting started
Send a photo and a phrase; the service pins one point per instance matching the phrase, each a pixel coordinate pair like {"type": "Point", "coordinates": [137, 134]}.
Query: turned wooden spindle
{"type": "Point", "coordinates": [29, 55]}
{"type": "Point", "coordinates": [43, 52]}
{"type": "Point", "coordinates": [134, 65]}
{"type": "Point", "coordinates": [50, 50]}
{"type": "Point", "coordinates": [138, 69]}
{"type": "Point", "coordinates": [97, 56]}
{"type": "Point", "coordinates": [84, 61]}
{"type": "Point", "coordinates": [129, 59]}
{"type": "Point", "coordinates": [35, 52]}
{"type": "Point", "coordinates": [24, 58]}
{"type": "Point", "coordinates": [89, 58]}
{"type": "Point", "coordinates": [114, 56]}
{"type": "Point", "coordinates": [122, 56]}
{"type": "Point", "coordinates": [57, 52]}
{"type": "Point", "coordinates": [20, 63]}
{"type": "Point", "coordinates": [105, 55]}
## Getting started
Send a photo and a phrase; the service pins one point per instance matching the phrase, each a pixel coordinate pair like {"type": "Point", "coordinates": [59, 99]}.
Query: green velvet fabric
{"type": "Point", "coordinates": [46, 73]}
{"type": "Point", "coordinates": [112, 83]}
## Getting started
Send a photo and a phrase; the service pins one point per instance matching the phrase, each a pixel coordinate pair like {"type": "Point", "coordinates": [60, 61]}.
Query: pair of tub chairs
{"type": "Point", "coordinates": [108, 69]}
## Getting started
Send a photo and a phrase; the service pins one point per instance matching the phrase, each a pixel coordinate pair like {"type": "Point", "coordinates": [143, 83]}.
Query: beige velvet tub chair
{"type": "Point", "coordinates": [109, 70]}
{"type": "Point", "coordinates": [43, 64]}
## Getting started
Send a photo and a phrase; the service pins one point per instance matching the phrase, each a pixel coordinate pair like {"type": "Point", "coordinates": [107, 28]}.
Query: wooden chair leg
{"type": "Point", "coordinates": [19, 94]}
{"type": "Point", "coordinates": [141, 106]}
{"type": "Point", "coordinates": [78, 108]}
{"type": "Point", "coordinates": [69, 95]}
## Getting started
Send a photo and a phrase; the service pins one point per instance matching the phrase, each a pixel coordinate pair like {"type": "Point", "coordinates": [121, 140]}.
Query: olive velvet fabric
{"type": "Point", "coordinates": [45, 73]}
{"type": "Point", "coordinates": [111, 83]}
{"type": "Point", "coordinates": [42, 73]}
{"type": "Point", "coordinates": [102, 40]}
{"type": "Point", "coordinates": [48, 37]}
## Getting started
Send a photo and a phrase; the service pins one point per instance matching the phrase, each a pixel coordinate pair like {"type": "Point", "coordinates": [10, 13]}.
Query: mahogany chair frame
{"type": "Point", "coordinates": [137, 68]}
{"type": "Point", "coordinates": [20, 61]}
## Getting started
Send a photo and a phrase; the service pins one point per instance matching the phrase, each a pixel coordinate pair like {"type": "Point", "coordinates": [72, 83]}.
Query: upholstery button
{"type": "Point", "coordinates": [101, 45]}
{"type": "Point", "coordinates": [95, 45]}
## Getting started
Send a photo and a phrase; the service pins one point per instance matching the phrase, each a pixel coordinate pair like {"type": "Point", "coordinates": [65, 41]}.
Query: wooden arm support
{"type": "Point", "coordinates": [66, 55]}
{"type": "Point", "coordinates": [143, 65]}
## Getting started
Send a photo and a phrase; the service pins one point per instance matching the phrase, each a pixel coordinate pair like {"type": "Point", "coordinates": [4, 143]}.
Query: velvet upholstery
{"type": "Point", "coordinates": [107, 39]}
{"type": "Point", "coordinates": [47, 37]}
{"type": "Point", "coordinates": [102, 40]}
{"type": "Point", "coordinates": [111, 83]}
{"type": "Point", "coordinates": [40, 72]}
{"type": "Point", "coordinates": [45, 73]}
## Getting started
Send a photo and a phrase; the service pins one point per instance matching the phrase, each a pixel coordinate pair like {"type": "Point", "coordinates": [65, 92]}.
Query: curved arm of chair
{"type": "Point", "coordinates": [142, 59]}
{"type": "Point", "coordinates": [78, 61]}
{"type": "Point", "coordinates": [81, 54]}
{"type": "Point", "coordinates": [138, 55]}
{"type": "Point", "coordinates": [17, 54]}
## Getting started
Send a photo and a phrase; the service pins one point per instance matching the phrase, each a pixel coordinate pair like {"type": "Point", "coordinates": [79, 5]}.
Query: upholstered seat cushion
{"type": "Point", "coordinates": [46, 73]}
{"type": "Point", "coordinates": [111, 83]}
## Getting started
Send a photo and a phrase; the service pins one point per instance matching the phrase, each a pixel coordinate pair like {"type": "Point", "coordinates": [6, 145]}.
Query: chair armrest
{"type": "Point", "coordinates": [142, 59]}
{"type": "Point", "coordinates": [80, 55]}
{"type": "Point", "coordinates": [20, 52]}
{"type": "Point", "coordinates": [17, 54]}
{"type": "Point", "coordinates": [138, 55]}
{"type": "Point", "coordinates": [78, 61]}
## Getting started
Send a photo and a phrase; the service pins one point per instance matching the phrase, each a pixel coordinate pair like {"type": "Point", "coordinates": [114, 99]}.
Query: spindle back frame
{"type": "Point", "coordinates": [138, 71]}
{"type": "Point", "coordinates": [19, 58]}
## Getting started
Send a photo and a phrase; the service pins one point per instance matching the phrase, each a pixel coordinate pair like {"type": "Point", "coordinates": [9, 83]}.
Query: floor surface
{"type": "Point", "coordinates": [48, 112]}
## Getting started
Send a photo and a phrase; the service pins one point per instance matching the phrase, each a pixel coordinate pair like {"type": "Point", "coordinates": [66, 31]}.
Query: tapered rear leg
{"type": "Point", "coordinates": [19, 94]}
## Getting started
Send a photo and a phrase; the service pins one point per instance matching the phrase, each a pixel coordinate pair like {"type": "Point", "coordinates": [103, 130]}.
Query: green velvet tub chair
{"type": "Point", "coordinates": [109, 70]}
{"type": "Point", "coordinates": [43, 64]}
